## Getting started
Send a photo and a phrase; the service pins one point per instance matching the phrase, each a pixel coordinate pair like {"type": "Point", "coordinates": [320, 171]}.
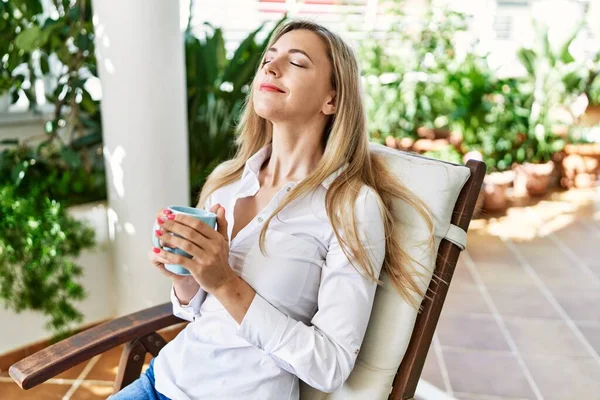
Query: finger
{"type": "Point", "coordinates": [173, 258]}
{"type": "Point", "coordinates": [164, 212]}
{"type": "Point", "coordinates": [160, 265]}
{"type": "Point", "coordinates": [164, 239]}
{"type": "Point", "coordinates": [187, 227]}
{"type": "Point", "coordinates": [222, 222]}
{"type": "Point", "coordinates": [155, 258]}
{"type": "Point", "coordinates": [186, 245]}
{"type": "Point", "coordinates": [214, 208]}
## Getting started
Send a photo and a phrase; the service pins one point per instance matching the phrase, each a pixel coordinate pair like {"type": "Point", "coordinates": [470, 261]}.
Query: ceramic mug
{"type": "Point", "coordinates": [207, 217]}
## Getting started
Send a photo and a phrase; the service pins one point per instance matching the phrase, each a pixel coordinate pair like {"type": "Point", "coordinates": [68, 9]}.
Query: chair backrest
{"type": "Point", "coordinates": [398, 336]}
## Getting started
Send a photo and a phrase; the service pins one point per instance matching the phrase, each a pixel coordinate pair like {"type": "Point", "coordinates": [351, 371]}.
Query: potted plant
{"type": "Point", "coordinates": [39, 240]}
{"type": "Point", "coordinates": [405, 76]}
{"type": "Point", "coordinates": [40, 237]}
{"type": "Point", "coordinates": [591, 116]}
{"type": "Point", "coordinates": [495, 191]}
{"type": "Point", "coordinates": [557, 80]}
{"type": "Point", "coordinates": [580, 160]}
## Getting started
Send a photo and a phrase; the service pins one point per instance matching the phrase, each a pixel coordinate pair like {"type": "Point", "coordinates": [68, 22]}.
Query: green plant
{"type": "Point", "coordinates": [38, 238]}
{"type": "Point", "coordinates": [592, 86]}
{"type": "Point", "coordinates": [216, 89]}
{"type": "Point", "coordinates": [14, 17]}
{"type": "Point", "coordinates": [38, 241]}
{"type": "Point", "coordinates": [557, 79]}
{"type": "Point", "coordinates": [406, 73]}
{"type": "Point", "coordinates": [447, 153]}
{"type": "Point", "coordinates": [59, 49]}
{"type": "Point", "coordinates": [503, 139]}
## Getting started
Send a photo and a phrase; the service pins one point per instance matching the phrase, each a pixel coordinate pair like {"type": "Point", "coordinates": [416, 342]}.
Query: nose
{"type": "Point", "coordinates": [272, 68]}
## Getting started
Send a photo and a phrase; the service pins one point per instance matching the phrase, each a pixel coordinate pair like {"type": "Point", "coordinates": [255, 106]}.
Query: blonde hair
{"type": "Point", "coordinates": [345, 140]}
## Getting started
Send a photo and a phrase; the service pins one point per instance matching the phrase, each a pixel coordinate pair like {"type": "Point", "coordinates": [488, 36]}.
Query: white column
{"type": "Point", "coordinates": [594, 17]}
{"type": "Point", "coordinates": [139, 46]}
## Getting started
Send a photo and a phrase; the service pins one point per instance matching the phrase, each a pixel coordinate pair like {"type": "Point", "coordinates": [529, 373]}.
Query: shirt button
{"type": "Point", "coordinates": [260, 219]}
{"type": "Point", "coordinates": [288, 189]}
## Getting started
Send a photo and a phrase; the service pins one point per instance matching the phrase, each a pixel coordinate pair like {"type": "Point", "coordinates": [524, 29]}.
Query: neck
{"type": "Point", "coordinates": [295, 153]}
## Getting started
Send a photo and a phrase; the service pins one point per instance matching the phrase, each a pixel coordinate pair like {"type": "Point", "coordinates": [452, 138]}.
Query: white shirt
{"type": "Point", "coordinates": [308, 317]}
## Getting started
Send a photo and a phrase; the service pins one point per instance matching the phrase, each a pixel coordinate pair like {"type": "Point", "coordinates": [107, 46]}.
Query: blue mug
{"type": "Point", "coordinates": [207, 217]}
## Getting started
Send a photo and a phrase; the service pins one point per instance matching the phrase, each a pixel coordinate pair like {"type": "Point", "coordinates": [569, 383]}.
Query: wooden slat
{"type": "Point", "coordinates": [407, 378]}
{"type": "Point", "coordinates": [70, 352]}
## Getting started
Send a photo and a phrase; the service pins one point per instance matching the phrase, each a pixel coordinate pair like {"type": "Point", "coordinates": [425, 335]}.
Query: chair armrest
{"type": "Point", "coordinates": [59, 357]}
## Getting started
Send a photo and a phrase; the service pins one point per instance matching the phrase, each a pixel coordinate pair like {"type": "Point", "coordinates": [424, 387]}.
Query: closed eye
{"type": "Point", "coordinates": [294, 64]}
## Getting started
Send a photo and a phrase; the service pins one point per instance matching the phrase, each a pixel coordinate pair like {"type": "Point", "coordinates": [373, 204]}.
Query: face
{"type": "Point", "coordinates": [294, 81]}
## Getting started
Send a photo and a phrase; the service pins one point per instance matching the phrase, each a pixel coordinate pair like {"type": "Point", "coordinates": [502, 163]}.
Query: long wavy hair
{"type": "Point", "coordinates": [345, 141]}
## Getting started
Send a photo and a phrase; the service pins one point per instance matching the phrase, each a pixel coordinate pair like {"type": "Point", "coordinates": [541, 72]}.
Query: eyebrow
{"type": "Point", "coordinates": [291, 51]}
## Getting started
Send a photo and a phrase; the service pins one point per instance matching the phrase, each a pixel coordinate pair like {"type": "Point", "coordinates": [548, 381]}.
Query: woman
{"type": "Point", "coordinates": [283, 289]}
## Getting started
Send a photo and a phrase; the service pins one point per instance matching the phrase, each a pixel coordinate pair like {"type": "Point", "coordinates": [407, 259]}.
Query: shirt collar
{"type": "Point", "coordinates": [256, 161]}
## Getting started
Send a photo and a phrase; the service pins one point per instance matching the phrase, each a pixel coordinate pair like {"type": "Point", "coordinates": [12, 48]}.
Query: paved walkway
{"type": "Point", "coordinates": [521, 321]}
{"type": "Point", "coordinates": [522, 317]}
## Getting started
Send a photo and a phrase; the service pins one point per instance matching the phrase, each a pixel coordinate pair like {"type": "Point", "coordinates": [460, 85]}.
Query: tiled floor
{"type": "Point", "coordinates": [522, 317]}
{"type": "Point", "coordinates": [521, 321]}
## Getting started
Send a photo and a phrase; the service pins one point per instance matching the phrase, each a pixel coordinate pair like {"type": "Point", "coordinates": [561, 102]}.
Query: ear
{"type": "Point", "coordinates": [330, 107]}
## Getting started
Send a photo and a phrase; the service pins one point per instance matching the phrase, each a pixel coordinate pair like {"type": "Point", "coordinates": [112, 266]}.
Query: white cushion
{"type": "Point", "coordinates": [392, 319]}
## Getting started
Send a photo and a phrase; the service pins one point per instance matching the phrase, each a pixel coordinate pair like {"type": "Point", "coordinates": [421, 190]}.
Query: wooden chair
{"type": "Point", "coordinates": [398, 338]}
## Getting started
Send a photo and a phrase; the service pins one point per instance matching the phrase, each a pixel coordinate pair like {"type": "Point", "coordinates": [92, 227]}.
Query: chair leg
{"type": "Point", "coordinates": [133, 357]}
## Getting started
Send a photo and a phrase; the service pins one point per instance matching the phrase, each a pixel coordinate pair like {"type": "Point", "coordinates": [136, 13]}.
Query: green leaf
{"type": "Point", "coordinates": [71, 157]}
{"type": "Point", "coordinates": [88, 104]}
{"type": "Point", "coordinates": [548, 54]}
{"type": "Point", "coordinates": [564, 54]}
{"type": "Point", "coordinates": [44, 64]}
{"type": "Point", "coordinates": [30, 39]}
{"type": "Point", "coordinates": [74, 12]}
{"type": "Point", "coordinates": [527, 58]}
{"type": "Point", "coordinates": [91, 124]}
{"type": "Point", "coordinates": [86, 141]}
{"type": "Point", "coordinates": [83, 42]}
{"type": "Point", "coordinates": [241, 56]}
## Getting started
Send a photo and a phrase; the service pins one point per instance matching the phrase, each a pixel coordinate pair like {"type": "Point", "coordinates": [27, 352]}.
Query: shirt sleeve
{"type": "Point", "coordinates": [323, 353]}
{"type": "Point", "coordinates": [190, 311]}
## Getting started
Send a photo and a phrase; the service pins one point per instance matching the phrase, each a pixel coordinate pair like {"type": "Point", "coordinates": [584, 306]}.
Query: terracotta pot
{"type": "Point", "coordinates": [495, 188]}
{"type": "Point", "coordinates": [584, 149]}
{"type": "Point", "coordinates": [585, 181]}
{"type": "Point", "coordinates": [580, 159]}
{"type": "Point", "coordinates": [561, 131]}
{"type": "Point", "coordinates": [405, 143]}
{"type": "Point", "coordinates": [532, 179]}
{"type": "Point", "coordinates": [390, 141]}
{"type": "Point", "coordinates": [433, 133]}
{"type": "Point", "coordinates": [423, 145]}
{"type": "Point", "coordinates": [591, 116]}
{"type": "Point", "coordinates": [456, 139]}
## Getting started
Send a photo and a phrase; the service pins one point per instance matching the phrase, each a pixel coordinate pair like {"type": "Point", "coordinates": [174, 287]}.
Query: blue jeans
{"type": "Point", "coordinates": [141, 389]}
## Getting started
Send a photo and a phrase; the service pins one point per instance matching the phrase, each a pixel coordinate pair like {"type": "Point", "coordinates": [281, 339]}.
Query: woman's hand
{"type": "Point", "coordinates": [209, 248]}
{"type": "Point", "coordinates": [159, 262]}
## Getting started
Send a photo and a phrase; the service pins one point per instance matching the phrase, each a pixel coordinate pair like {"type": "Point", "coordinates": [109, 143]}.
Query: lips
{"type": "Point", "coordinates": [269, 87]}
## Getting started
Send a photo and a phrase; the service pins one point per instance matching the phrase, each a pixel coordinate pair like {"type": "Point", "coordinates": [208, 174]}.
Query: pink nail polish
{"type": "Point", "coordinates": [160, 221]}
{"type": "Point", "coordinates": [171, 217]}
